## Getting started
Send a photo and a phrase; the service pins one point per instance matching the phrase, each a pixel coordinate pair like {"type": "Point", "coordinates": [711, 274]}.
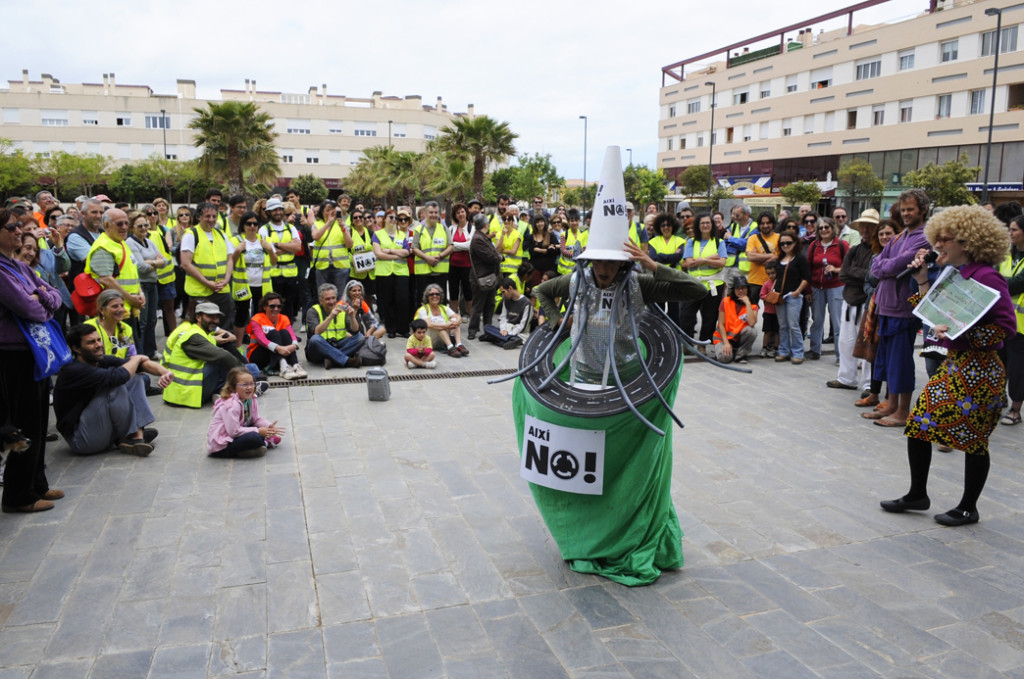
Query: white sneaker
{"type": "Point", "coordinates": [410, 366]}
{"type": "Point", "coordinates": [300, 373]}
{"type": "Point", "coordinates": [430, 364]}
{"type": "Point", "coordinates": [289, 373]}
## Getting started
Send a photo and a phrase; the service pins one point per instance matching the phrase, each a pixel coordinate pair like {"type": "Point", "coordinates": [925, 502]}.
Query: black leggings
{"type": "Point", "coordinates": [265, 358]}
{"type": "Point", "coordinates": [393, 303]}
{"type": "Point", "coordinates": [976, 466]}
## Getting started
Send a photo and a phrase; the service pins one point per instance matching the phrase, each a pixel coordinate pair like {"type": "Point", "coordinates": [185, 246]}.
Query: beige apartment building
{"type": "Point", "coordinates": [795, 103]}
{"type": "Point", "coordinates": [318, 133]}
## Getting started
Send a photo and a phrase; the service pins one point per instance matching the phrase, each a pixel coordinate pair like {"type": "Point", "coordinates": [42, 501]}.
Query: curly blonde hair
{"type": "Point", "coordinates": [984, 237]}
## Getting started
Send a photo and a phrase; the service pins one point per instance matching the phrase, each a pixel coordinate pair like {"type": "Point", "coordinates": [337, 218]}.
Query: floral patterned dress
{"type": "Point", "coordinates": [962, 402]}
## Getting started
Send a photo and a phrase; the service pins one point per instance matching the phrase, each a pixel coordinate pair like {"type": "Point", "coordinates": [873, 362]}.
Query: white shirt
{"type": "Point", "coordinates": [188, 241]}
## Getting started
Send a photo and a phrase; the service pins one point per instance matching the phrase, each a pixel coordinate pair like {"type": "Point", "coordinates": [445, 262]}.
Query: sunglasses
{"type": "Point", "coordinates": [357, 218]}
{"type": "Point", "coordinates": [434, 294]}
{"type": "Point", "coordinates": [151, 213]}
{"type": "Point", "coordinates": [810, 221]}
{"type": "Point", "coordinates": [784, 243]}
{"type": "Point", "coordinates": [12, 227]}
{"type": "Point", "coordinates": [273, 306]}
{"type": "Point", "coordinates": [404, 220]}
{"type": "Point", "coordinates": [251, 223]}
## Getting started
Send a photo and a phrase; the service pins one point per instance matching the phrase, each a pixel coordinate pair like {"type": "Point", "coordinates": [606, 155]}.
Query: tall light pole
{"type": "Point", "coordinates": [998, 13]}
{"type": "Point", "coordinates": [163, 125]}
{"type": "Point", "coordinates": [711, 140]}
{"type": "Point", "coordinates": [389, 133]}
{"type": "Point", "coordinates": [584, 119]}
{"type": "Point", "coordinates": [630, 152]}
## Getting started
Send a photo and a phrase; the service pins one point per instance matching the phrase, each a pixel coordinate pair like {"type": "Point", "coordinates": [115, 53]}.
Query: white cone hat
{"type": "Point", "coordinates": [609, 225]}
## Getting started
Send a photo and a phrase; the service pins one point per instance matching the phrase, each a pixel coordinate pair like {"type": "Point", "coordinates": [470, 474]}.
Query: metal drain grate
{"type": "Point", "coordinates": [404, 377]}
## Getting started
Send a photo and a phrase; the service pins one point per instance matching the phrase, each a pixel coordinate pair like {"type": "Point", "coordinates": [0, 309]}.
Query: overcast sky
{"type": "Point", "coordinates": [536, 64]}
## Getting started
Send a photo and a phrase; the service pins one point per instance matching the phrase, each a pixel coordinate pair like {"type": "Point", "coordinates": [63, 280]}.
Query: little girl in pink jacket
{"type": "Point", "coordinates": [237, 430]}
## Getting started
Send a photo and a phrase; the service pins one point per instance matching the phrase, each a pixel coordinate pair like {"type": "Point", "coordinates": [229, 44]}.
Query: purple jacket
{"type": "Point", "coordinates": [891, 295]}
{"type": "Point", "coordinates": [1001, 314]}
{"type": "Point", "coordinates": [15, 300]}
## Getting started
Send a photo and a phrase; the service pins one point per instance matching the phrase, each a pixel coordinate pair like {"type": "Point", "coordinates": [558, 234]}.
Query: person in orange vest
{"type": "Point", "coordinates": [737, 321]}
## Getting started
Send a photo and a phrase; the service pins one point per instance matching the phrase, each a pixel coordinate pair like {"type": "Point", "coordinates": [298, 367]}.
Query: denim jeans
{"type": "Point", "coordinates": [791, 339]}
{"type": "Point", "coordinates": [820, 299]}
{"type": "Point", "coordinates": [317, 349]}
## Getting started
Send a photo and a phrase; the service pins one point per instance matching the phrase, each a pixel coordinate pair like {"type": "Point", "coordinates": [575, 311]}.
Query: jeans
{"type": "Point", "coordinates": [318, 349]}
{"type": "Point", "coordinates": [791, 339]}
{"type": "Point", "coordinates": [820, 298]}
{"type": "Point", "coordinates": [499, 339]}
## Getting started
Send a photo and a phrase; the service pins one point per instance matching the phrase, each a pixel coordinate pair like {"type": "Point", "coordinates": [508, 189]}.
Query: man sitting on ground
{"type": "Point", "coordinates": [199, 354]}
{"type": "Point", "coordinates": [100, 400]}
{"type": "Point", "coordinates": [333, 331]}
{"type": "Point", "coordinates": [513, 317]}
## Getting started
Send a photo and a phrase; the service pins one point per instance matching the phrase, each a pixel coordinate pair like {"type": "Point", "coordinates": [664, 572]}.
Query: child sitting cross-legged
{"type": "Point", "coordinates": [418, 350]}
{"type": "Point", "coordinates": [237, 430]}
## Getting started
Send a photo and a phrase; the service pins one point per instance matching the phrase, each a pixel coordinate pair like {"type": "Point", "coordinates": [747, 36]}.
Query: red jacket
{"type": "Point", "coordinates": [818, 255]}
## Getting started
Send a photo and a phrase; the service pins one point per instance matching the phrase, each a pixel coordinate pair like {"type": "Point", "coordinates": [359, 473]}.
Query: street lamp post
{"type": "Point", "coordinates": [711, 141]}
{"type": "Point", "coordinates": [630, 152]}
{"type": "Point", "coordinates": [998, 13]}
{"type": "Point", "coordinates": [163, 125]}
{"type": "Point", "coordinates": [584, 119]}
{"type": "Point", "coordinates": [389, 133]}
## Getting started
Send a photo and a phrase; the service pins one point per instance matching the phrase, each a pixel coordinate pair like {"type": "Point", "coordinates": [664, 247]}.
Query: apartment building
{"type": "Point", "coordinates": [318, 133]}
{"type": "Point", "coordinates": [795, 103]}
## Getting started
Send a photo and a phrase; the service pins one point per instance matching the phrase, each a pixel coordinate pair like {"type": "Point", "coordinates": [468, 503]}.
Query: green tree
{"type": "Point", "coordinates": [859, 183]}
{"type": "Point", "coordinates": [945, 184]}
{"type": "Point", "coordinates": [644, 185]}
{"type": "Point", "coordinates": [190, 179]}
{"type": "Point", "coordinates": [580, 197]}
{"type": "Point", "coordinates": [16, 175]}
{"type": "Point", "coordinates": [449, 176]}
{"type": "Point", "coordinates": [480, 139]}
{"type": "Point", "coordinates": [237, 139]}
{"type": "Point", "coordinates": [797, 193]}
{"type": "Point", "coordinates": [131, 185]}
{"type": "Point", "coordinates": [311, 189]}
{"type": "Point", "coordinates": [160, 173]}
{"type": "Point", "coordinates": [67, 173]}
{"type": "Point", "coordinates": [694, 180]}
{"type": "Point", "coordinates": [718, 194]}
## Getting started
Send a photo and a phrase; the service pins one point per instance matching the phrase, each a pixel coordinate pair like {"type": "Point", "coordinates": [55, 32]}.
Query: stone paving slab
{"type": "Point", "coordinates": [396, 540]}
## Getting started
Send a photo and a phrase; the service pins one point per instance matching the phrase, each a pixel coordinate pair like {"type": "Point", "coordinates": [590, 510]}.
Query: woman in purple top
{"type": "Point", "coordinates": [962, 402]}
{"type": "Point", "coordinates": [23, 400]}
{"type": "Point", "coordinates": [897, 325]}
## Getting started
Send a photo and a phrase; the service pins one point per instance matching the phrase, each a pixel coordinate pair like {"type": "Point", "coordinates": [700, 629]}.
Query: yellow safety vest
{"type": "Point", "coordinates": [164, 274]}
{"type": "Point", "coordinates": [187, 387]}
{"type": "Point", "coordinates": [361, 244]}
{"type": "Point", "coordinates": [1008, 269]}
{"type": "Point", "coordinates": [286, 265]}
{"type": "Point", "coordinates": [510, 263]}
{"type": "Point", "coordinates": [566, 264]}
{"type": "Point", "coordinates": [663, 247]}
{"type": "Point", "coordinates": [709, 276]}
{"type": "Point", "coordinates": [330, 251]}
{"type": "Point", "coordinates": [426, 312]}
{"type": "Point", "coordinates": [397, 267]}
{"type": "Point", "coordinates": [240, 290]}
{"type": "Point", "coordinates": [431, 244]}
{"type": "Point", "coordinates": [127, 274]}
{"type": "Point", "coordinates": [336, 331]}
{"type": "Point", "coordinates": [730, 260]}
{"type": "Point", "coordinates": [210, 257]}
{"type": "Point", "coordinates": [124, 334]}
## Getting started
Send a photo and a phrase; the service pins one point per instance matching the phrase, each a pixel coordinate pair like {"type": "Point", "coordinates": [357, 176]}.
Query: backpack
{"type": "Point", "coordinates": [373, 352]}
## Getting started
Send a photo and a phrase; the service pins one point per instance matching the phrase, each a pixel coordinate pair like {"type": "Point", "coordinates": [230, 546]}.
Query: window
{"type": "Point", "coordinates": [334, 127]}
{"type": "Point", "coordinates": [787, 131]}
{"type": "Point", "coordinates": [728, 135]}
{"type": "Point", "coordinates": [765, 93]}
{"type": "Point", "coordinates": [42, 148]}
{"type": "Point", "coordinates": [739, 98]}
{"type": "Point", "coordinates": [366, 133]}
{"type": "Point", "coordinates": [335, 157]}
{"type": "Point", "coordinates": [945, 105]}
{"type": "Point", "coordinates": [790, 83]}
{"type": "Point", "coordinates": [287, 158]}
{"type": "Point", "coordinates": [977, 102]}
{"type": "Point", "coordinates": [670, 143]}
{"type": "Point", "coordinates": [821, 84]}
{"type": "Point", "coordinates": [714, 137]}
{"type": "Point", "coordinates": [172, 152]}
{"type": "Point", "coordinates": [429, 132]}
{"type": "Point", "coordinates": [808, 124]}
{"type": "Point", "coordinates": [298, 126]}
{"type": "Point", "coordinates": [870, 69]}
{"type": "Point", "coordinates": [906, 111]}
{"type": "Point", "coordinates": [1007, 41]}
{"type": "Point", "coordinates": [92, 147]}
{"type": "Point", "coordinates": [682, 143]}
{"type": "Point", "coordinates": [123, 120]}
{"type": "Point", "coordinates": [851, 120]}
{"type": "Point", "coordinates": [949, 50]}
{"type": "Point", "coordinates": [158, 122]}
{"type": "Point", "coordinates": [762, 132]}
{"type": "Point", "coordinates": [398, 130]}
{"type": "Point", "coordinates": [700, 140]}
{"type": "Point", "coordinates": [54, 118]}
{"type": "Point", "coordinates": [90, 118]}
{"type": "Point", "coordinates": [906, 58]}
{"type": "Point", "coordinates": [312, 157]}
{"type": "Point", "coordinates": [878, 115]}
{"type": "Point", "coordinates": [124, 151]}
{"type": "Point", "coordinates": [693, 106]}
{"type": "Point", "coordinates": [672, 111]}
{"type": "Point", "coordinates": [12, 115]}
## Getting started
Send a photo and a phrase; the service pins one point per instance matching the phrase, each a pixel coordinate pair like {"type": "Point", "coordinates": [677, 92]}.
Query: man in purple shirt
{"type": "Point", "coordinates": [897, 325]}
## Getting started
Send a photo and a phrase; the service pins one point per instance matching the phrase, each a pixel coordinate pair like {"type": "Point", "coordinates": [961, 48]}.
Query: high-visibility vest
{"type": "Point", "coordinates": [286, 265]}
{"type": "Point", "coordinates": [210, 257]}
{"type": "Point", "coordinates": [734, 322]}
{"type": "Point", "coordinates": [387, 267]}
{"type": "Point", "coordinates": [426, 312]}
{"type": "Point", "coordinates": [187, 387]}
{"type": "Point", "coordinates": [337, 330]}
{"type": "Point", "coordinates": [240, 290]}
{"type": "Point", "coordinates": [127, 274]}
{"type": "Point", "coordinates": [1008, 269]}
{"type": "Point", "coordinates": [431, 244]}
{"type": "Point", "coordinates": [744, 263]}
{"type": "Point", "coordinates": [164, 274]}
{"type": "Point", "coordinates": [329, 252]}
{"type": "Point", "coordinates": [709, 276]}
{"type": "Point", "coordinates": [124, 334]}
{"type": "Point", "coordinates": [663, 247]}
{"type": "Point", "coordinates": [510, 263]}
{"type": "Point", "coordinates": [566, 264]}
{"type": "Point", "coordinates": [636, 234]}
{"type": "Point", "coordinates": [360, 244]}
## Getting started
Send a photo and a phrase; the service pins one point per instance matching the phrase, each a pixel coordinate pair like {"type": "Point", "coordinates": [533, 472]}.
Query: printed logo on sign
{"type": "Point", "coordinates": [562, 458]}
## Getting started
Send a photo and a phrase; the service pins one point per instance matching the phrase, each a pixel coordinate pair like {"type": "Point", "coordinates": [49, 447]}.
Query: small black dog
{"type": "Point", "coordinates": [12, 441]}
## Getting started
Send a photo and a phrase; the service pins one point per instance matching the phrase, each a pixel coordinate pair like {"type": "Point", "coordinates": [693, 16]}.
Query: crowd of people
{"type": "Point", "coordinates": [234, 286]}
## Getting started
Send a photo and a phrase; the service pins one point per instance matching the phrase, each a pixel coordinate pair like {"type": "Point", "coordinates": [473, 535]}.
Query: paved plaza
{"type": "Point", "coordinates": [396, 540]}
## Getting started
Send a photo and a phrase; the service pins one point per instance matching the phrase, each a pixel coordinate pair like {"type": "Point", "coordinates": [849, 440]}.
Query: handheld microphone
{"type": "Point", "coordinates": [928, 259]}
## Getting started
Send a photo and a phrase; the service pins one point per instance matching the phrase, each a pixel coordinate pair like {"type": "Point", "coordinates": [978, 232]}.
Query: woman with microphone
{"type": "Point", "coordinates": [963, 400]}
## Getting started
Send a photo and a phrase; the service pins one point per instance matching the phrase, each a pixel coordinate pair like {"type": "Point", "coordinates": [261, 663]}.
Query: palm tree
{"type": "Point", "coordinates": [450, 176]}
{"type": "Point", "coordinates": [238, 144]}
{"type": "Point", "coordinates": [481, 139]}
